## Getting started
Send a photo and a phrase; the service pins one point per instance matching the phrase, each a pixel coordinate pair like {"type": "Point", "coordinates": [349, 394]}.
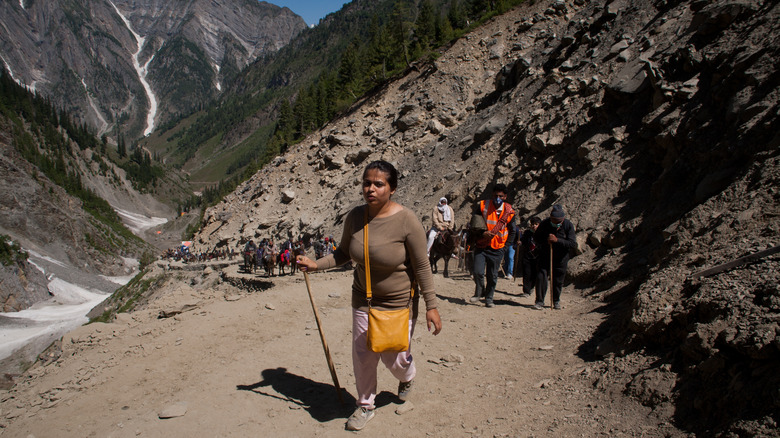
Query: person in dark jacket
{"type": "Point", "coordinates": [528, 255]}
{"type": "Point", "coordinates": [555, 234]}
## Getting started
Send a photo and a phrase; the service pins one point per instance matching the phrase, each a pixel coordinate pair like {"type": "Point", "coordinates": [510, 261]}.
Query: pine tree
{"type": "Point", "coordinates": [380, 51]}
{"type": "Point", "coordinates": [285, 126]}
{"type": "Point", "coordinates": [444, 31]}
{"type": "Point", "coordinates": [402, 30]}
{"type": "Point", "coordinates": [350, 71]}
{"type": "Point", "coordinates": [103, 143]}
{"type": "Point", "coordinates": [426, 25]}
{"type": "Point", "coordinates": [120, 147]}
{"type": "Point", "coordinates": [457, 16]}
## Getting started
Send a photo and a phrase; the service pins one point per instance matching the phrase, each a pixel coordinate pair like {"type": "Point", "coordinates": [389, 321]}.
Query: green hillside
{"type": "Point", "coordinates": [277, 100]}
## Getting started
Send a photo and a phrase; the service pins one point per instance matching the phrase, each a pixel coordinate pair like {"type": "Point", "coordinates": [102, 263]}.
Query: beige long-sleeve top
{"type": "Point", "coordinates": [397, 251]}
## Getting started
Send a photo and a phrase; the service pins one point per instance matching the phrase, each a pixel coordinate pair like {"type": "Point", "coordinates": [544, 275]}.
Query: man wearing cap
{"type": "Point", "coordinates": [499, 219]}
{"type": "Point", "coordinates": [443, 219]}
{"type": "Point", "coordinates": [555, 233]}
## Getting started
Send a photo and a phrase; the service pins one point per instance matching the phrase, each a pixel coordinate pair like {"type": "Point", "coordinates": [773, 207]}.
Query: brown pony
{"type": "Point", "coordinates": [446, 243]}
{"type": "Point", "coordinates": [297, 250]}
{"type": "Point", "coordinates": [269, 263]}
{"type": "Point", "coordinates": [250, 261]}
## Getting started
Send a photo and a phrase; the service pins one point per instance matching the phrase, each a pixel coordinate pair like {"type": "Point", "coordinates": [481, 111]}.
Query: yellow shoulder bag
{"type": "Point", "coordinates": [388, 330]}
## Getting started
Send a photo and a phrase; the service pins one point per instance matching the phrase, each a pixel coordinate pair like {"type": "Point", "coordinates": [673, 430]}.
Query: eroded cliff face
{"type": "Point", "coordinates": [653, 123]}
{"type": "Point", "coordinates": [86, 56]}
{"type": "Point", "coordinates": [21, 286]}
{"type": "Point", "coordinates": [43, 218]}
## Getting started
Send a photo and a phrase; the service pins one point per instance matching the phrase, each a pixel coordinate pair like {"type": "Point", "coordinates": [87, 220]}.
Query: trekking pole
{"type": "Point", "coordinates": [552, 304]}
{"type": "Point", "coordinates": [322, 338]}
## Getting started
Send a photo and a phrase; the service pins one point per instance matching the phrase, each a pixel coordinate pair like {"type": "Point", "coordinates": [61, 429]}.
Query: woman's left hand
{"type": "Point", "coordinates": [433, 318]}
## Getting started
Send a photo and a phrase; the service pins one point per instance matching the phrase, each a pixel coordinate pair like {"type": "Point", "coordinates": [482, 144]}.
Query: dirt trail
{"type": "Point", "coordinates": [251, 364]}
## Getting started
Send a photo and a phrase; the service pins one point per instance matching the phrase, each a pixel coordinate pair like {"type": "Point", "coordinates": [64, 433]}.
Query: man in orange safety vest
{"type": "Point", "coordinates": [489, 248]}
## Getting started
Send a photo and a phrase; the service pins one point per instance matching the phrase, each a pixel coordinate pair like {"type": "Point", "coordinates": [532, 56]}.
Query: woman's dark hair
{"type": "Point", "coordinates": [535, 220]}
{"type": "Point", "coordinates": [387, 168]}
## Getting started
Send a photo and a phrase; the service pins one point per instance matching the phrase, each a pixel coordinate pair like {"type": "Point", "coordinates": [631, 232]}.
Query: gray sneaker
{"type": "Point", "coordinates": [359, 418]}
{"type": "Point", "coordinates": [474, 299]}
{"type": "Point", "coordinates": [489, 304]}
{"type": "Point", "coordinates": [538, 306]}
{"type": "Point", "coordinates": [557, 305]}
{"type": "Point", "coordinates": [404, 389]}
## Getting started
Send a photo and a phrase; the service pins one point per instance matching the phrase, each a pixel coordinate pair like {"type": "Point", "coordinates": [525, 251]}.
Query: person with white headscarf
{"type": "Point", "coordinates": [443, 219]}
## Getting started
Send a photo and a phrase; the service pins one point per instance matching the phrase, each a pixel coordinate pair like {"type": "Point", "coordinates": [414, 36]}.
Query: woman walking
{"type": "Point", "coordinates": [397, 259]}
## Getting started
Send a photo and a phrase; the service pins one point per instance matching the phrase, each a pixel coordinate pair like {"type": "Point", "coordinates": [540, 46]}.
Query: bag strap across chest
{"type": "Point", "coordinates": [368, 268]}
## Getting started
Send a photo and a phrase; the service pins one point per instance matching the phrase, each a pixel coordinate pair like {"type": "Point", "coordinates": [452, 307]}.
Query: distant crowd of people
{"type": "Point", "coordinates": [183, 253]}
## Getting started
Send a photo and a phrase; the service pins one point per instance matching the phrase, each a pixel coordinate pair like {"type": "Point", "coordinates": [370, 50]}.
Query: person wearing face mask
{"type": "Point", "coordinates": [490, 246]}
{"type": "Point", "coordinates": [528, 255]}
{"type": "Point", "coordinates": [556, 233]}
{"type": "Point", "coordinates": [443, 219]}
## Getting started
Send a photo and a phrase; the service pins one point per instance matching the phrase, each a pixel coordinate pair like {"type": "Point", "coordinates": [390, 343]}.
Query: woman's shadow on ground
{"type": "Point", "coordinates": [320, 400]}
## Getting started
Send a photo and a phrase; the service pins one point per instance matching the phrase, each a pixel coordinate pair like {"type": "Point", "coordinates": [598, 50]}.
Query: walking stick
{"type": "Point", "coordinates": [552, 304]}
{"type": "Point", "coordinates": [322, 338]}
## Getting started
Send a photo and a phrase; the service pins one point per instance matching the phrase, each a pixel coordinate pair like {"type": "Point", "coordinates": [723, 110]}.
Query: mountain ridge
{"type": "Point", "coordinates": [95, 75]}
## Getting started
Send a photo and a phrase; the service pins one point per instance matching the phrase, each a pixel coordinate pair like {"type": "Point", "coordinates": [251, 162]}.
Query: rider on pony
{"type": "Point", "coordinates": [443, 219]}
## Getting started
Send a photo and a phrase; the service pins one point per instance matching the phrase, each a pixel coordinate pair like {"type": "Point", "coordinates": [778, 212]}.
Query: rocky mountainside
{"type": "Point", "coordinates": [65, 201]}
{"type": "Point", "coordinates": [125, 66]}
{"type": "Point", "coordinates": [44, 218]}
{"type": "Point", "coordinates": [654, 123]}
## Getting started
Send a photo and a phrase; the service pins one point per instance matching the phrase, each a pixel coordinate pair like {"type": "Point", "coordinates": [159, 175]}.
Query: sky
{"type": "Point", "coordinates": [311, 10]}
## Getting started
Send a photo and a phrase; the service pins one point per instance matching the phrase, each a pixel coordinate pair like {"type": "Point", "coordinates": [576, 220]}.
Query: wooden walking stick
{"type": "Point", "coordinates": [552, 304]}
{"type": "Point", "coordinates": [322, 338]}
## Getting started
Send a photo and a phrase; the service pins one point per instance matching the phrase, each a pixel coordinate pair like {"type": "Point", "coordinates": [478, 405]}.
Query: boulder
{"type": "Point", "coordinates": [594, 238]}
{"type": "Point", "coordinates": [537, 143]}
{"type": "Point", "coordinates": [175, 310]}
{"type": "Point", "coordinates": [510, 74]}
{"type": "Point", "coordinates": [631, 79]}
{"type": "Point", "coordinates": [435, 127]}
{"type": "Point", "coordinates": [21, 286]}
{"type": "Point", "coordinates": [497, 51]}
{"type": "Point", "coordinates": [353, 157]}
{"type": "Point", "coordinates": [689, 88]}
{"type": "Point", "coordinates": [172, 411]}
{"type": "Point", "coordinates": [618, 47]}
{"type": "Point", "coordinates": [341, 140]}
{"type": "Point", "coordinates": [448, 119]}
{"type": "Point", "coordinates": [719, 15]}
{"type": "Point", "coordinates": [541, 142]}
{"type": "Point", "coordinates": [333, 160]}
{"type": "Point", "coordinates": [288, 196]}
{"type": "Point", "coordinates": [408, 120]}
{"type": "Point", "coordinates": [489, 129]}
{"type": "Point", "coordinates": [582, 243]}
{"type": "Point", "coordinates": [524, 26]}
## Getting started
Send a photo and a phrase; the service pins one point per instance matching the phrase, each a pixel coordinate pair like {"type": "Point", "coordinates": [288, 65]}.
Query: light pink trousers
{"type": "Point", "coordinates": [365, 361]}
